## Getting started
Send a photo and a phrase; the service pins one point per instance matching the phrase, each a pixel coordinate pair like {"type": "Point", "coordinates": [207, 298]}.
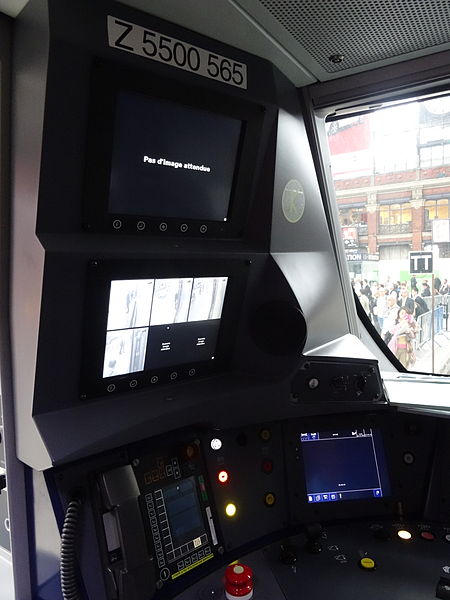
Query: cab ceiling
{"type": "Point", "coordinates": [311, 40]}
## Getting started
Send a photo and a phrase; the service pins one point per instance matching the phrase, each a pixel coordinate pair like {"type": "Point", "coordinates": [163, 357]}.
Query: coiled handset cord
{"type": "Point", "coordinates": [69, 585]}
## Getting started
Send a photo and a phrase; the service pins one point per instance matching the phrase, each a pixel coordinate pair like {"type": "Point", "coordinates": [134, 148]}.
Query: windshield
{"type": "Point", "coordinates": [391, 173]}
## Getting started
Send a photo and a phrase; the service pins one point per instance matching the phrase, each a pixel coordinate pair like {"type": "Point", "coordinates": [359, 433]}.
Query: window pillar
{"type": "Point", "coordinates": [372, 222]}
{"type": "Point", "coordinates": [418, 218]}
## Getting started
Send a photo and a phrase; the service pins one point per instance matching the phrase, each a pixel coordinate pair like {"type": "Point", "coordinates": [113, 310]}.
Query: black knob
{"type": "Point", "coordinates": [2, 481]}
{"type": "Point", "coordinates": [288, 554]}
{"type": "Point", "coordinates": [313, 536]}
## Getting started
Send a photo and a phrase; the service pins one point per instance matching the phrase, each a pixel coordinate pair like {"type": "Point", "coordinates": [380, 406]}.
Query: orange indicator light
{"type": "Point", "coordinates": [223, 476]}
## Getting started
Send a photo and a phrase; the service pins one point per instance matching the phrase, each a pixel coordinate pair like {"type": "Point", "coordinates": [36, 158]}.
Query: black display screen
{"type": "Point", "coordinates": [157, 323]}
{"type": "Point", "coordinates": [171, 160]}
{"type": "Point", "coordinates": [344, 465]}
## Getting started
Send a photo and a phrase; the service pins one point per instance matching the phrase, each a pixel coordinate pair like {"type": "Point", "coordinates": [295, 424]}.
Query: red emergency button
{"type": "Point", "coordinates": [238, 582]}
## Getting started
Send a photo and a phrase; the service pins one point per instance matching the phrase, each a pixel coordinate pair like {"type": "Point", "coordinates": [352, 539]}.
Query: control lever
{"type": "Point", "coordinates": [313, 533]}
{"type": "Point", "coordinates": [288, 554]}
{"type": "Point", "coordinates": [443, 588]}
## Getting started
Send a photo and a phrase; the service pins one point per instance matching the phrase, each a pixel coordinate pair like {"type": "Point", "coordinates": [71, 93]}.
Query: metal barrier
{"type": "Point", "coordinates": [424, 323]}
{"type": "Point", "coordinates": [438, 299]}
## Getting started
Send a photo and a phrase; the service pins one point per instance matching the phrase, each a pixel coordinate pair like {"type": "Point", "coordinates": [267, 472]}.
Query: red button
{"type": "Point", "coordinates": [267, 466]}
{"type": "Point", "coordinates": [238, 582]}
{"type": "Point", "coordinates": [428, 536]}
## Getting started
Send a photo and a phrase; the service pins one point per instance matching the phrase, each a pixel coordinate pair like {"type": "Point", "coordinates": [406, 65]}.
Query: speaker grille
{"type": "Point", "coordinates": [363, 31]}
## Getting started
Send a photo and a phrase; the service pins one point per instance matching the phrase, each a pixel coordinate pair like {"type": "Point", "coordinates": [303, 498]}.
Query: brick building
{"type": "Point", "coordinates": [392, 187]}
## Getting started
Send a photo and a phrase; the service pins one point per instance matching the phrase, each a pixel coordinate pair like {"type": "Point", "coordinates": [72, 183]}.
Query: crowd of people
{"type": "Point", "coordinates": [394, 307]}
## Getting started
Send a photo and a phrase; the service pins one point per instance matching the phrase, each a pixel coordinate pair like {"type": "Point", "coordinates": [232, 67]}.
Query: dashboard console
{"type": "Point", "coordinates": [301, 497]}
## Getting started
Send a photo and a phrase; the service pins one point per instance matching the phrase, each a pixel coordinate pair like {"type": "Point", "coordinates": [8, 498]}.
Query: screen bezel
{"type": "Point", "coordinates": [300, 509]}
{"type": "Point", "coordinates": [106, 83]}
{"type": "Point", "coordinates": [100, 273]}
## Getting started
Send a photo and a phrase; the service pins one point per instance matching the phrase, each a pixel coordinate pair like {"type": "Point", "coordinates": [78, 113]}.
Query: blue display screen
{"type": "Point", "coordinates": [183, 513]}
{"type": "Point", "coordinates": [344, 465]}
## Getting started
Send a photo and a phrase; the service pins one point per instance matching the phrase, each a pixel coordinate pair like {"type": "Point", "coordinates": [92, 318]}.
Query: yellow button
{"type": "Point", "coordinates": [367, 563]}
{"type": "Point", "coordinates": [269, 499]}
{"type": "Point", "coordinates": [265, 435]}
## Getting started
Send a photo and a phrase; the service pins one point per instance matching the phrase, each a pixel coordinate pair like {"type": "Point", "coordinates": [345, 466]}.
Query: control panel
{"type": "Point", "coordinates": [156, 515]}
{"type": "Point", "coordinates": [246, 468]}
{"type": "Point", "coordinates": [378, 558]}
{"type": "Point", "coordinates": [177, 509]}
{"type": "Point", "coordinates": [165, 513]}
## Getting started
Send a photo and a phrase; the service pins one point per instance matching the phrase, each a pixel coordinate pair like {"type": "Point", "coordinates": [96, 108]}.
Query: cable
{"type": "Point", "coordinates": [69, 585]}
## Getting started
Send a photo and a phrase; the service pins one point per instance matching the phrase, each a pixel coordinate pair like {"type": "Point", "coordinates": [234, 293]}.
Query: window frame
{"type": "Point", "coordinates": [396, 209]}
{"type": "Point", "coordinates": [436, 208]}
{"type": "Point", "coordinates": [357, 95]}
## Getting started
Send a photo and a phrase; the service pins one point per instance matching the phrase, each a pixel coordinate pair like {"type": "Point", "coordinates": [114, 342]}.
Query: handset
{"type": "Point", "coordinates": [133, 572]}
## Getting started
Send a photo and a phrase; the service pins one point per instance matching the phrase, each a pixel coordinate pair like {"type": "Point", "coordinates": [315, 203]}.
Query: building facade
{"type": "Point", "coordinates": [392, 185]}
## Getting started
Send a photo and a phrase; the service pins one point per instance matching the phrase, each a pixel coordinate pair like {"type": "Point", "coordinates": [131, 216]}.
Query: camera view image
{"type": "Point", "coordinates": [157, 323]}
{"type": "Point", "coordinates": [344, 465]}
{"type": "Point", "coordinates": [125, 351]}
{"type": "Point", "coordinates": [207, 299]}
{"type": "Point", "coordinates": [171, 161]}
{"type": "Point", "coordinates": [171, 301]}
{"type": "Point", "coordinates": [129, 303]}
